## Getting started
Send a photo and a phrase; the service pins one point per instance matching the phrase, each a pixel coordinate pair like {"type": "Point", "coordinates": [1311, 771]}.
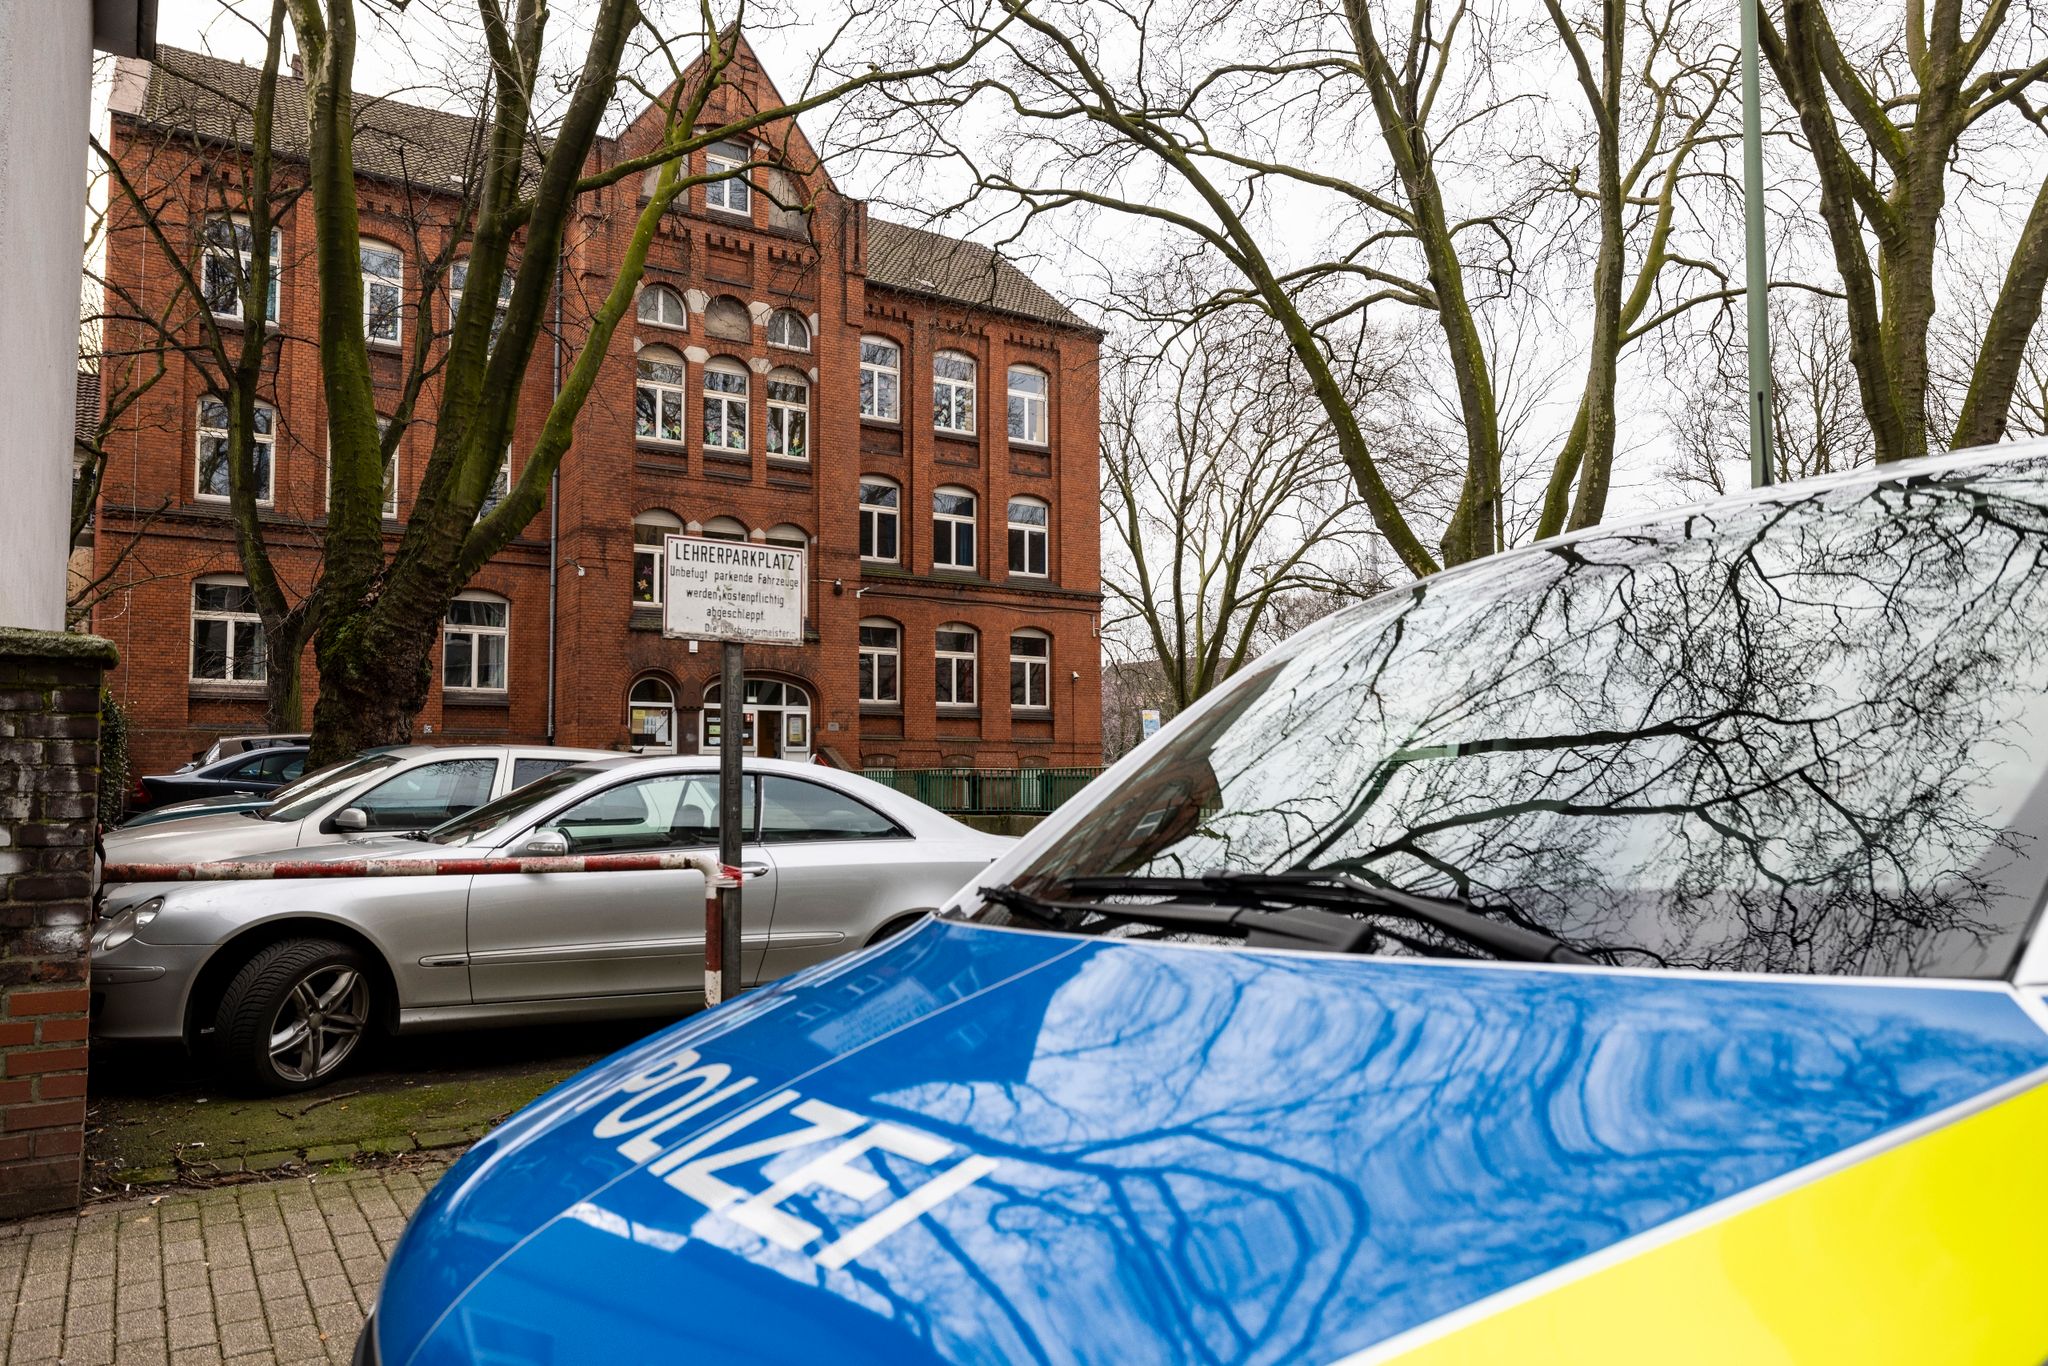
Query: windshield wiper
{"type": "Point", "coordinates": [1297, 928]}
{"type": "Point", "coordinates": [1349, 893]}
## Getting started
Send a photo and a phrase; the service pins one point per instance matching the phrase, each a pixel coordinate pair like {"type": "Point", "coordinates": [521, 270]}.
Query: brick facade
{"type": "Point", "coordinates": [848, 276]}
{"type": "Point", "coordinates": [49, 762]}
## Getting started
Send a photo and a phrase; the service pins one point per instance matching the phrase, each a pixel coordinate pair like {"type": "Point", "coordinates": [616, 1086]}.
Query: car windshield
{"type": "Point", "coordinates": [512, 805]}
{"type": "Point", "coordinates": [1805, 735]}
{"type": "Point", "coordinates": [298, 800]}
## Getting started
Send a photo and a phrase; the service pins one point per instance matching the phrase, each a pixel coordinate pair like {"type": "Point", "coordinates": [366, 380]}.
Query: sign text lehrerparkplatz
{"type": "Point", "coordinates": [734, 590]}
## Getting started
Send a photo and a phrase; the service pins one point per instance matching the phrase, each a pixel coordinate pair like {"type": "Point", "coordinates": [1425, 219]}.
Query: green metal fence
{"type": "Point", "coordinates": [987, 791]}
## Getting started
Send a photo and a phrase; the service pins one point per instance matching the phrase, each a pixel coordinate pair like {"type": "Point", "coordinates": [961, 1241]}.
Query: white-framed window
{"type": "Point", "coordinates": [788, 330]}
{"type": "Point", "coordinates": [651, 531]}
{"type": "Point", "coordinates": [211, 467]}
{"type": "Point", "coordinates": [658, 395]}
{"type": "Point", "coordinates": [881, 660]}
{"type": "Point", "coordinates": [390, 468]}
{"type": "Point", "coordinates": [651, 717]}
{"type": "Point", "coordinates": [1030, 536]}
{"type": "Point", "coordinates": [726, 529]}
{"type": "Point", "coordinates": [881, 379]}
{"type": "Point", "coordinates": [500, 485]}
{"type": "Point", "coordinates": [227, 632]}
{"type": "Point", "coordinates": [725, 405]}
{"type": "Point", "coordinates": [954, 654]}
{"type": "Point", "coordinates": [789, 415]}
{"type": "Point", "coordinates": [473, 642]}
{"type": "Point", "coordinates": [226, 258]}
{"type": "Point", "coordinates": [727, 317]}
{"type": "Point", "coordinates": [953, 392]}
{"type": "Point", "coordinates": [661, 306]}
{"type": "Point", "coordinates": [1029, 391]}
{"type": "Point", "coordinates": [458, 281]}
{"type": "Point", "coordinates": [953, 528]}
{"type": "Point", "coordinates": [1030, 669]}
{"type": "Point", "coordinates": [880, 520]}
{"type": "Point", "coordinates": [383, 290]}
{"type": "Point", "coordinates": [733, 194]}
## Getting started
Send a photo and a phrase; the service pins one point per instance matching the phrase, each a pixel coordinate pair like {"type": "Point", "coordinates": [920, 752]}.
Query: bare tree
{"type": "Point", "coordinates": [1225, 499]}
{"type": "Point", "coordinates": [1898, 108]}
{"type": "Point", "coordinates": [373, 617]}
{"type": "Point", "coordinates": [1391, 126]}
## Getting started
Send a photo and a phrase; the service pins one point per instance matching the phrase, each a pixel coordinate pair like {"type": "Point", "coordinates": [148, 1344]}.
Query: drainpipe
{"type": "Point", "coordinates": [554, 505]}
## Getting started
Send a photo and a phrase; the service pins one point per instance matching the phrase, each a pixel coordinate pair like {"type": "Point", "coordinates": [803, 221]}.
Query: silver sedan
{"type": "Point", "coordinates": [281, 980]}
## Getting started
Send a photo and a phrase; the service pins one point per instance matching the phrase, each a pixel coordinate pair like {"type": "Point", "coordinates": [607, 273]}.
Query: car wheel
{"type": "Point", "coordinates": [896, 927]}
{"type": "Point", "coordinates": [294, 1014]}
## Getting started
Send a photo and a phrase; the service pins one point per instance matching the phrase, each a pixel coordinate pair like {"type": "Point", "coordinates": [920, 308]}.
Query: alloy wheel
{"type": "Point", "coordinates": [319, 1023]}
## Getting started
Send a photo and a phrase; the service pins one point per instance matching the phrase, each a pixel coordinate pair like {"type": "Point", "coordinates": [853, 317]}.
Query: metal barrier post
{"type": "Point", "coordinates": [722, 923]}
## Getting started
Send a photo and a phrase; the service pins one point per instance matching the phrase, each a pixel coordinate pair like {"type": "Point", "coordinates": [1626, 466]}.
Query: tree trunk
{"type": "Point", "coordinates": [284, 694]}
{"type": "Point", "coordinates": [371, 687]}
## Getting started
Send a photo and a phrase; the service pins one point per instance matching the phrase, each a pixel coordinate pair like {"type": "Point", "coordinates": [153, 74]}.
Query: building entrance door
{"type": "Point", "coordinates": [776, 720]}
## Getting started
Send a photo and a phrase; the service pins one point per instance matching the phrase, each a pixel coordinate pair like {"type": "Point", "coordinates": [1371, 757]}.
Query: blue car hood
{"type": "Point", "coordinates": [985, 1145]}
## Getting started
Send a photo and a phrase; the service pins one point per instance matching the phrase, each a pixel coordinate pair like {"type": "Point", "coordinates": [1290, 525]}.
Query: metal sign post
{"type": "Point", "coordinates": [735, 592]}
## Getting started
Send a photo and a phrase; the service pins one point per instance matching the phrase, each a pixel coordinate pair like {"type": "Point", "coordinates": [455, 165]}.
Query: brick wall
{"type": "Point", "coordinates": [49, 764]}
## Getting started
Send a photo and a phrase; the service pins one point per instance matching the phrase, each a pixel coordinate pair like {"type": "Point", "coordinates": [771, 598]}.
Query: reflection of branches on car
{"type": "Point", "coordinates": [1786, 736]}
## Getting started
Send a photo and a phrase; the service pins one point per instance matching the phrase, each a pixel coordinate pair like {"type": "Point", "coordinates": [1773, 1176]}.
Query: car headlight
{"type": "Point", "coordinates": [121, 928]}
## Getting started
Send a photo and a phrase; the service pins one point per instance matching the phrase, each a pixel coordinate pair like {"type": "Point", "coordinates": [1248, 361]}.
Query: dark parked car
{"type": "Point", "coordinates": [256, 771]}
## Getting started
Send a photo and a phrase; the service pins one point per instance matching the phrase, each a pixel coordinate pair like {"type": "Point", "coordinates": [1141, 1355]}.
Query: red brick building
{"type": "Point", "coordinates": [915, 410]}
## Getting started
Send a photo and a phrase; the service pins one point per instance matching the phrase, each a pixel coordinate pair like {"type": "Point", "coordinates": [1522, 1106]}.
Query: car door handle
{"type": "Point", "coordinates": [750, 870]}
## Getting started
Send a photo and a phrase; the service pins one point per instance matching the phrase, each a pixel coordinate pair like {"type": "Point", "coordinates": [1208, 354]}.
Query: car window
{"type": "Point", "coordinates": [293, 767]}
{"type": "Point", "coordinates": [1791, 736]}
{"type": "Point", "coordinates": [423, 797]}
{"type": "Point", "coordinates": [279, 764]}
{"type": "Point", "coordinates": [526, 770]}
{"type": "Point", "coordinates": [796, 812]}
{"type": "Point", "coordinates": [302, 798]}
{"type": "Point", "coordinates": [668, 811]}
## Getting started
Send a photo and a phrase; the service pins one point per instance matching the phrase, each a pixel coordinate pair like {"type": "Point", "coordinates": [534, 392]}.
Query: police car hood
{"type": "Point", "coordinates": [986, 1145]}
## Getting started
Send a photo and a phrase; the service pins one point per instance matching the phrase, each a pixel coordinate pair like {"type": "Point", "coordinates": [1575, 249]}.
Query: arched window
{"type": "Point", "coordinates": [458, 281]}
{"type": "Point", "coordinates": [1030, 530]}
{"type": "Point", "coordinates": [383, 290]}
{"type": "Point", "coordinates": [650, 551]}
{"type": "Point", "coordinates": [789, 414]}
{"type": "Point", "coordinates": [661, 306]}
{"type": "Point", "coordinates": [727, 317]}
{"type": "Point", "coordinates": [1030, 670]}
{"type": "Point", "coordinates": [881, 660]}
{"type": "Point", "coordinates": [789, 534]}
{"type": "Point", "coordinates": [787, 329]}
{"type": "Point", "coordinates": [473, 643]}
{"type": "Point", "coordinates": [658, 395]}
{"type": "Point", "coordinates": [227, 632]}
{"type": "Point", "coordinates": [725, 405]}
{"type": "Point", "coordinates": [726, 529]}
{"type": "Point", "coordinates": [953, 528]}
{"type": "Point", "coordinates": [880, 518]}
{"type": "Point", "coordinates": [777, 719]}
{"type": "Point", "coordinates": [212, 462]}
{"type": "Point", "coordinates": [390, 508]}
{"type": "Point", "coordinates": [733, 193]}
{"type": "Point", "coordinates": [651, 717]}
{"type": "Point", "coordinates": [881, 376]}
{"type": "Point", "coordinates": [955, 664]}
{"type": "Point", "coordinates": [226, 259]}
{"type": "Point", "coordinates": [1029, 391]}
{"type": "Point", "coordinates": [786, 202]}
{"type": "Point", "coordinates": [953, 392]}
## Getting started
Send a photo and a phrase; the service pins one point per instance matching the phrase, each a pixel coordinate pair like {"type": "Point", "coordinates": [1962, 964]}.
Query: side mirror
{"type": "Point", "coordinates": [352, 818]}
{"type": "Point", "coordinates": [545, 844]}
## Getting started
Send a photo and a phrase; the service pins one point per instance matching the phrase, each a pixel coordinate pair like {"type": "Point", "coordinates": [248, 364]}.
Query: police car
{"type": "Point", "coordinates": [1623, 949]}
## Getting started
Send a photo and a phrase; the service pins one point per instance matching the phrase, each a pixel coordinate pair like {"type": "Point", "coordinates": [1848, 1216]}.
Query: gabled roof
{"type": "Point", "coordinates": [918, 261]}
{"type": "Point", "coordinates": [190, 92]}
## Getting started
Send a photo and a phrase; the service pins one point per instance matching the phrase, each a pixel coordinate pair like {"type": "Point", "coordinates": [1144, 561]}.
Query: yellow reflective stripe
{"type": "Point", "coordinates": [1936, 1250]}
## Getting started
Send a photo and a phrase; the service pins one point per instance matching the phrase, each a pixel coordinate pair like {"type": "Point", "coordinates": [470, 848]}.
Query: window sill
{"type": "Point", "coordinates": [881, 709]}
{"type": "Point", "coordinates": [683, 328]}
{"type": "Point", "coordinates": [881, 424]}
{"type": "Point", "coordinates": [476, 697]}
{"type": "Point", "coordinates": [964, 438]}
{"type": "Point", "coordinates": [228, 689]}
{"type": "Point", "coordinates": [949, 712]}
{"type": "Point", "coordinates": [1031, 713]}
{"type": "Point", "coordinates": [789, 462]}
{"type": "Point", "coordinates": [646, 617]}
{"type": "Point", "coordinates": [391, 347]}
{"type": "Point", "coordinates": [724, 215]}
{"type": "Point", "coordinates": [656, 446]}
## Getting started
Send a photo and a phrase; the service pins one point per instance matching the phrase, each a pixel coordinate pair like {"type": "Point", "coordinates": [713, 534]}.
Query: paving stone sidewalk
{"type": "Point", "coordinates": [274, 1271]}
